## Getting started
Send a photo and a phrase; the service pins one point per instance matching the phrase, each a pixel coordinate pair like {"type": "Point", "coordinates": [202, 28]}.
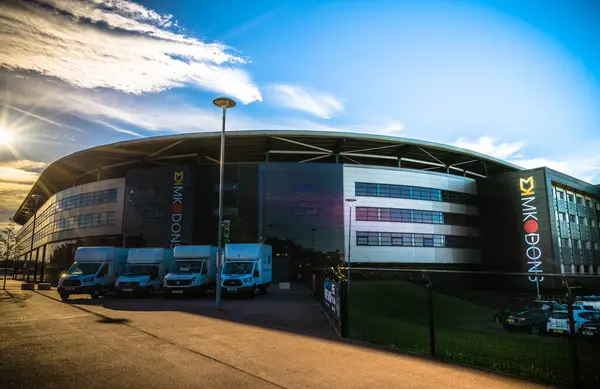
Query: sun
{"type": "Point", "coordinates": [6, 137]}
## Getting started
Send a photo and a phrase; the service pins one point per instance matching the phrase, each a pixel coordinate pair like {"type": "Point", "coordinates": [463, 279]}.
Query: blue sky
{"type": "Point", "coordinates": [519, 80]}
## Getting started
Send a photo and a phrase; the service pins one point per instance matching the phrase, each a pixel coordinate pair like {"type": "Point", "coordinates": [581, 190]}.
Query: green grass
{"type": "Point", "coordinates": [395, 314]}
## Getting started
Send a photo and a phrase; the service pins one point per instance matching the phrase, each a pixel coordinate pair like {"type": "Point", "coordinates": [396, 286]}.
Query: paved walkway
{"type": "Point", "coordinates": [282, 339]}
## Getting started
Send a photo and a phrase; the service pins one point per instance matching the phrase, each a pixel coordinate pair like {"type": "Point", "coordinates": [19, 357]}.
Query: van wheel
{"type": "Point", "coordinates": [64, 296]}
{"type": "Point", "coordinates": [264, 289]}
{"type": "Point", "coordinates": [95, 294]}
{"type": "Point", "coordinates": [535, 330]}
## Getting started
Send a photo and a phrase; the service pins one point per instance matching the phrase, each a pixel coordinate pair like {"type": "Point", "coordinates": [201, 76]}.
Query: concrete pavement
{"type": "Point", "coordinates": [281, 340]}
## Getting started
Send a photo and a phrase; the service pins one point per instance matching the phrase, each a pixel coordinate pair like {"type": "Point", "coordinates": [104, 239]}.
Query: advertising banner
{"type": "Point", "coordinates": [535, 226]}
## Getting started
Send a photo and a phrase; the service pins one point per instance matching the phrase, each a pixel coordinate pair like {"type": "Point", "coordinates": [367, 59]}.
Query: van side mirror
{"type": "Point", "coordinates": [256, 273]}
{"type": "Point", "coordinates": [204, 271]}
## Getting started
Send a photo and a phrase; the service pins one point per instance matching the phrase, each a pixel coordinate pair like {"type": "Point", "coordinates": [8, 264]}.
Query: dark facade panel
{"type": "Point", "coordinates": [159, 207]}
{"type": "Point", "coordinates": [585, 232]}
{"type": "Point", "coordinates": [594, 234]}
{"type": "Point", "coordinates": [287, 192]}
{"type": "Point", "coordinates": [591, 212]}
{"type": "Point", "coordinates": [577, 256]}
{"type": "Point", "coordinates": [596, 257]}
{"type": "Point", "coordinates": [564, 229]}
{"type": "Point", "coordinates": [587, 257]}
{"type": "Point", "coordinates": [581, 210]}
{"type": "Point", "coordinates": [561, 205]}
{"type": "Point", "coordinates": [240, 203]}
{"type": "Point", "coordinates": [574, 230]}
{"type": "Point", "coordinates": [516, 223]}
{"type": "Point", "coordinates": [567, 255]}
{"type": "Point", "coordinates": [572, 208]}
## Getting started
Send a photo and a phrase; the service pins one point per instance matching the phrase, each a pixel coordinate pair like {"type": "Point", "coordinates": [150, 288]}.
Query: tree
{"type": "Point", "coordinates": [8, 244]}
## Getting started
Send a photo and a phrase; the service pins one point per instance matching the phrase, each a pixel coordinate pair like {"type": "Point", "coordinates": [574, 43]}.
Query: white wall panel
{"type": "Point", "coordinates": [409, 177]}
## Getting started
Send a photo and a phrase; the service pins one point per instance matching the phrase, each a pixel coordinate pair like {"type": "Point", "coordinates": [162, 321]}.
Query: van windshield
{"type": "Point", "coordinates": [83, 268]}
{"type": "Point", "coordinates": [238, 267]}
{"type": "Point", "coordinates": [186, 267]}
{"type": "Point", "coordinates": [141, 270]}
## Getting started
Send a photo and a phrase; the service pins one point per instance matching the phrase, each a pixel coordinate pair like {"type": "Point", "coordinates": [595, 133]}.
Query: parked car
{"type": "Point", "coordinates": [532, 320]}
{"type": "Point", "coordinates": [559, 321]}
{"type": "Point", "coordinates": [589, 302]}
{"type": "Point", "coordinates": [590, 329]}
{"type": "Point", "coordinates": [535, 304]}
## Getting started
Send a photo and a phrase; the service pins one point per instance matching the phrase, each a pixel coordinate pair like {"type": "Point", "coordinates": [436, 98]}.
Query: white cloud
{"type": "Point", "coordinates": [299, 98]}
{"type": "Point", "coordinates": [117, 45]}
{"type": "Point", "coordinates": [490, 146]}
{"type": "Point", "coordinates": [584, 167]}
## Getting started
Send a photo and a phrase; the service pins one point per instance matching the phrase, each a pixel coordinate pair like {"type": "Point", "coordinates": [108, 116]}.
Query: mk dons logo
{"type": "Point", "coordinates": [531, 226]}
{"type": "Point", "coordinates": [177, 209]}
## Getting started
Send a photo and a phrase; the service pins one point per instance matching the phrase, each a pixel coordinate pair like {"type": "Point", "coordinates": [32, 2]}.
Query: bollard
{"type": "Point", "coordinates": [44, 286]}
{"type": "Point", "coordinates": [27, 286]}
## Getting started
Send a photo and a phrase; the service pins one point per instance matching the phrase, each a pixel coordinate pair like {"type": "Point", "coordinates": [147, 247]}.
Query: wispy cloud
{"type": "Point", "coordinates": [299, 98]}
{"type": "Point", "coordinates": [490, 146]}
{"type": "Point", "coordinates": [585, 164]}
{"type": "Point", "coordinates": [117, 45]}
{"type": "Point", "coordinates": [42, 118]}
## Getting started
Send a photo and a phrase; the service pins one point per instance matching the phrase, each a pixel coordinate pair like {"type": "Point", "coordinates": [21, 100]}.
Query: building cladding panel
{"type": "Point", "coordinates": [92, 209]}
{"type": "Point", "coordinates": [414, 180]}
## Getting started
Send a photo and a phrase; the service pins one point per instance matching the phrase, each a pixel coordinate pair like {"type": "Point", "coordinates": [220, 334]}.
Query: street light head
{"type": "Point", "coordinates": [351, 200]}
{"type": "Point", "coordinates": [224, 102]}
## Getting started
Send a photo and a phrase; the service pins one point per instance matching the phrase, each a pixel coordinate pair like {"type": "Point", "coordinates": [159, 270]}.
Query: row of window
{"type": "Point", "coordinates": [414, 216]}
{"type": "Point", "coordinates": [365, 238]}
{"type": "Point", "coordinates": [72, 202]}
{"type": "Point", "coordinates": [579, 244]}
{"type": "Point", "coordinates": [572, 198]}
{"type": "Point", "coordinates": [412, 192]}
{"type": "Point", "coordinates": [75, 222]}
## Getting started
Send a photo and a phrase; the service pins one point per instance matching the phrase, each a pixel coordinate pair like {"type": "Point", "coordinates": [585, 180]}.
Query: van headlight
{"type": "Point", "coordinates": [117, 283]}
{"type": "Point", "coordinates": [248, 279]}
{"type": "Point", "coordinates": [144, 283]}
{"type": "Point", "coordinates": [89, 279]}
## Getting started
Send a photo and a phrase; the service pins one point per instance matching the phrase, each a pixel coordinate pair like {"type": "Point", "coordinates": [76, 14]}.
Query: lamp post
{"type": "Point", "coordinates": [223, 103]}
{"type": "Point", "coordinates": [350, 202]}
{"type": "Point", "coordinates": [8, 254]}
{"type": "Point", "coordinates": [35, 198]}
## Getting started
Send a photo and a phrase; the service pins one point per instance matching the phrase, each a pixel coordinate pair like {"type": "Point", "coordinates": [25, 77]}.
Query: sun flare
{"type": "Point", "coordinates": [6, 137]}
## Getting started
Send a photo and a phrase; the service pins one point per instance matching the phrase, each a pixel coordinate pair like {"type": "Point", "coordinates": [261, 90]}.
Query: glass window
{"type": "Point", "coordinates": [386, 239]}
{"type": "Point", "coordinates": [572, 218]}
{"type": "Point", "coordinates": [576, 243]}
{"type": "Point", "coordinates": [570, 197]}
{"type": "Point", "coordinates": [428, 240]}
{"type": "Point", "coordinates": [362, 239]}
{"type": "Point", "coordinates": [385, 214]}
{"type": "Point", "coordinates": [373, 239]}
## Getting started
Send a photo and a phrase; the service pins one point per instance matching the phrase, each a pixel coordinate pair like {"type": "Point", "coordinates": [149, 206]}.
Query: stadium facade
{"type": "Point", "coordinates": [417, 204]}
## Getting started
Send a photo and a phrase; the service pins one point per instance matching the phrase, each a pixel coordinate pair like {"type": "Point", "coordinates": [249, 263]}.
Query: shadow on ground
{"type": "Point", "coordinates": [292, 310]}
{"type": "Point", "coordinates": [7, 297]}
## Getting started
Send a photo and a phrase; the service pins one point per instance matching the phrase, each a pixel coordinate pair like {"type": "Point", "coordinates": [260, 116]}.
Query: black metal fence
{"type": "Point", "coordinates": [545, 329]}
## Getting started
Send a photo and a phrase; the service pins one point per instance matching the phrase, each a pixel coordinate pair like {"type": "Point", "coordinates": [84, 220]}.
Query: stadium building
{"type": "Point", "coordinates": [318, 198]}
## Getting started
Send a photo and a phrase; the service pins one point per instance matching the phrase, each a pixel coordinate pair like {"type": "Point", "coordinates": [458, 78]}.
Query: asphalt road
{"type": "Point", "coordinates": [272, 341]}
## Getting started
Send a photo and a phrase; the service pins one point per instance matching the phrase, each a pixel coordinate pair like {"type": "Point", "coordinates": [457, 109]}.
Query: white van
{"type": "Point", "coordinates": [93, 272]}
{"type": "Point", "coordinates": [247, 269]}
{"type": "Point", "coordinates": [144, 273]}
{"type": "Point", "coordinates": [193, 271]}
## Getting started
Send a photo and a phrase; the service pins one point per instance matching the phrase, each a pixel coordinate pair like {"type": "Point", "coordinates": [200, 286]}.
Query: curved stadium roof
{"type": "Point", "coordinates": [113, 160]}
